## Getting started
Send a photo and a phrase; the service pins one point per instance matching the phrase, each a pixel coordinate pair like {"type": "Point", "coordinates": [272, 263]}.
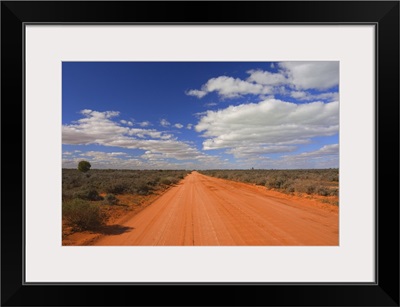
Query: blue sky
{"type": "Point", "coordinates": [200, 115]}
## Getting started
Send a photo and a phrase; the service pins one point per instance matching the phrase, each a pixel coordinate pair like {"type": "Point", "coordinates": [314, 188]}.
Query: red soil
{"type": "Point", "coordinates": [205, 211]}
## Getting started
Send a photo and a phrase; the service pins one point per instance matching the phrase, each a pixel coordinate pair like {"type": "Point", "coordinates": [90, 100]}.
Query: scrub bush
{"type": "Point", "coordinates": [82, 215]}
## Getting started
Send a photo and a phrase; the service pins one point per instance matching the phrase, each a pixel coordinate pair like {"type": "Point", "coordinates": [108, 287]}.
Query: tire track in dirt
{"type": "Point", "coordinates": [206, 211]}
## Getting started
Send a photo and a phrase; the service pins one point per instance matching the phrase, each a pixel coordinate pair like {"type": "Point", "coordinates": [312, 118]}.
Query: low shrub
{"type": "Point", "coordinates": [275, 182]}
{"type": "Point", "coordinates": [290, 190]}
{"type": "Point", "coordinates": [110, 199]}
{"type": "Point", "coordinates": [306, 187]}
{"type": "Point", "coordinates": [223, 176]}
{"type": "Point", "coordinates": [144, 189]}
{"type": "Point", "coordinates": [117, 188]}
{"type": "Point", "coordinates": [165, 181]}
{"type": "Point", "coordinates": [82, 215]}
{"type": "Point", "coordinates": [323, 191]}
{"type": "Point", "coordinates": [261, 182]}
{"type": "Point", "coordinates": [169, 180]}
{"type": "Point", "coordinates": [309, 188]}
{"type": "Point", "coordinates": [322, 182]}
{"type": "Point", "coordinates": [117, 182]}
{"type": "Point", "coordinates": [89, 194]}
{"type": "Point", "coordinates": [334, 192]}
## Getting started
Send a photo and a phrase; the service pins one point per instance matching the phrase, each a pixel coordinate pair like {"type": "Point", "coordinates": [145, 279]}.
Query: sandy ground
{"type": "Point", "coordinates": [207, 211]}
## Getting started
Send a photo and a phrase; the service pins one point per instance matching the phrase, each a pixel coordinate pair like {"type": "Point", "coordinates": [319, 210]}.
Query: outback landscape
{"type": "Point", "coordinates": [200, 153]}
{"type": "Point", "coordinates": [261, 207]}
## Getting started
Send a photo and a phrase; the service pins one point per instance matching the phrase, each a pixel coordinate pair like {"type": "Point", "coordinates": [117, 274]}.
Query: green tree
{"type": "Point", "coordinates": [84, 166]}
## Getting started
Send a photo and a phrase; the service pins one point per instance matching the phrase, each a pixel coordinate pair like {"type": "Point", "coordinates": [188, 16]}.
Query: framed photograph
{"type": "Point", "coordinates": [245, 153]}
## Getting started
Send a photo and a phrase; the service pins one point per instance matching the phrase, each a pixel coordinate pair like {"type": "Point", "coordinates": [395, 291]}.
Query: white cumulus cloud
{"type": "Point", "coordinates": [164, 123]}
{"type": "Point", "coordinates": [228, 87]}
{"type": "Point", "coordinates": [104, 160]}
{"type": "Point", "coordinates": [259, 151]}
{"type": "Point", "coordinates": [312, 75]}
{"type": "Point", "coordinates": [144, 124]}
{"type": "Point", "coordinates": [306, 96]}
{"type": "Point", "coordinates": [270, 122]}
{"type": "Point", "coordinates": [126, 122]}
{"type": "Point", "coordinates": [266, 77]}
{"type": "Point", "coordinates": [326, 150]}
{"type": "Point", "coordinates": [196, 93]}
{"type": "Point", "coordinates": [324, 157]}
{"type": "Point", "coordinates": [300, 75]}
{"type": "Point", "coordinates": [100, 129]}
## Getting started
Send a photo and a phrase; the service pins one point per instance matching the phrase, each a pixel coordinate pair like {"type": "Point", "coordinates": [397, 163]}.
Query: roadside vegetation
{"type": "Point", "coordinates": [319, 182]}
{"type": "Point", "coordinates": [91, 197]}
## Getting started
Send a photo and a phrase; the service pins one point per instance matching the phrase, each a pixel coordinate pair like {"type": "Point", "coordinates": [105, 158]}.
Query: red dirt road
{"type": "Point", "coordinates": [206, 211]}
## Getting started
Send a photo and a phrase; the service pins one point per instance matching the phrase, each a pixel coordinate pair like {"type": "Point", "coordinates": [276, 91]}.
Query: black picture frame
{"type": "Point", "coordinates": [383, 14]}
